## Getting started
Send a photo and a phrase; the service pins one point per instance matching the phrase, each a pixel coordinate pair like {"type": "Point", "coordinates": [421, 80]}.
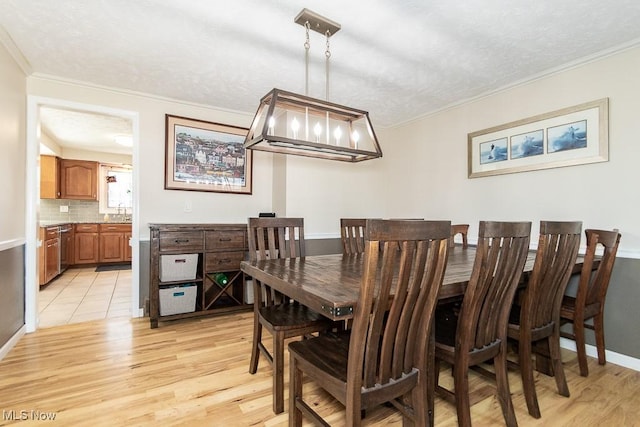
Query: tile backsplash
{"type": "Point", "coordinates": [79, 211]}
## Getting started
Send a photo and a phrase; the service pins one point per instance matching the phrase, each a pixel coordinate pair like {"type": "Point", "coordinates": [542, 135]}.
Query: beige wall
{"type": "Point", "coordinates": [433, 153]}
{"type": "Point", "coordinates": [424, 169]}
{"type": "Point", "coordinates": [12, 200]}
{"type": "Point", "coordinates": [156, 203]}
{"type": "Point", "coordinates": [13, 149]}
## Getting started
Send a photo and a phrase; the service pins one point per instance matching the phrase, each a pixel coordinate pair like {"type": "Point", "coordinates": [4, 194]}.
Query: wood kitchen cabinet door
{"type": "Point", "coordinates": [86, 244]}
{"type": "Point", "coordinates": [49, 177]}
{"type": "Point", "coordinates": [78, 179]}
{"type": "Point", "coordinates": [52, 259]}
{"type": "Point", "coordinates": [111, 247]}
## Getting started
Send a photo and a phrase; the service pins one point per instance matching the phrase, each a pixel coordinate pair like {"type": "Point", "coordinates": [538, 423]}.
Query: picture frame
{"type": "Point", "coordinates": [206, 156]}
{"type": "Point", "coordinates": [571, 136]}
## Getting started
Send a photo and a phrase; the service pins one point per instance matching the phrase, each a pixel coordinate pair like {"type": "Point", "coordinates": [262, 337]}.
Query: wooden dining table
{"type": "Point", "coordinates": [330, 284]}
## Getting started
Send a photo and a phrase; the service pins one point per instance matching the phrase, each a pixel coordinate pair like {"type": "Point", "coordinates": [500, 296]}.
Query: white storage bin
{"type": "Point", "coordinates": [248, 292]}
{"type": "Point", "coordinates": [178, 267]}
{"type": "Point", "coordinates": [178, 299]}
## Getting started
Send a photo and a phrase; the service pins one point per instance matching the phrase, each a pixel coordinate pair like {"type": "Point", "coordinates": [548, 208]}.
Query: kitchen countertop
{"type": "Point", "coordinates": [56, 223]}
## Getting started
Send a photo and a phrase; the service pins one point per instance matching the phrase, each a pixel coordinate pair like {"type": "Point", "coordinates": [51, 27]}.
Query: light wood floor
{"type": "Point", "coordinates": [119, 372]}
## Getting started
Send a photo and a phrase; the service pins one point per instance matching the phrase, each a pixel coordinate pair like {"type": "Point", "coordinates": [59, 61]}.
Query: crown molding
{"type": "Point", "coordinates": [15, 52]}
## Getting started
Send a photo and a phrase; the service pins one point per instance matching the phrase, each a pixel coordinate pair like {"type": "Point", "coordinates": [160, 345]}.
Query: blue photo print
{"type": "Point", "coordinates": [527, 144]}
{"type": "Point", "coordinates": [493, 151]}
{"type": "Point", "coordinates": [567, 137]}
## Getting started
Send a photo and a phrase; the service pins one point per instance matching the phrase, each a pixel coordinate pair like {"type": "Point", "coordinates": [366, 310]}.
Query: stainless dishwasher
{"type": "Point", "coordinates": [65, 244]}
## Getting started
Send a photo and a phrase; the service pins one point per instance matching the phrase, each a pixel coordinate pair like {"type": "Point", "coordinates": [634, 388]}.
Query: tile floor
{"type": "Point", "coordinates": [81, 294]}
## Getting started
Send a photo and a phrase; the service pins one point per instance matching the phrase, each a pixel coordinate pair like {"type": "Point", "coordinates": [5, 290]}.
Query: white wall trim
{"type": "Point", "coordinates": [612, 357]}
{"type": "Point", "coordinates": [13, 243]}
{"type": "Point", "coordinates": [57, 79]}
{"type": "Point", "coordinates": [15, 52]}
{"type": "Point", "coordinates": [6, 348]}
{"type": "Point", "coordinates": [319, 236]}
{"type": "Point", "coordinates": [530, 79]}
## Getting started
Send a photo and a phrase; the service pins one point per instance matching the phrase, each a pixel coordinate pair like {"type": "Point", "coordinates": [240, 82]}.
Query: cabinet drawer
{"type": "Point", "coordinates": [223, 261]}
{"type": "Point", "coordinates": [86, 228]}
{"type": "Point", "coordinates": [51, 233]}
{"type": "Point", "coordinates": [225, 239]}
{"type": "Point", "coordinates": [184, 241]}
{"type": "Point", "coordinates": [115, 228]}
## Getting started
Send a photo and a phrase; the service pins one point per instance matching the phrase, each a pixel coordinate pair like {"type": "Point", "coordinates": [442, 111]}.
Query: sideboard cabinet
{"type": "Point", "coordinates": [194, 270]}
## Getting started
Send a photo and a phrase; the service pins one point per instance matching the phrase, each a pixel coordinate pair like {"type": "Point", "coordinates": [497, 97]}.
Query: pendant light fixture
{"type": "Point", "coordinates": [290, 123]}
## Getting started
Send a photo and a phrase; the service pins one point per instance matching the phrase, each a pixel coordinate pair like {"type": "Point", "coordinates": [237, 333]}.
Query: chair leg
{"type": "Point", "coordinates": [461, 388]}
{"type": "Point", "coordinates": [578, 332]}
{"type": "Point", "coordinates": [556, 362]}
{"type": "Point", "coordinates": [598, 328]}
{"type": "Point", "coordinates": [278, 372]}
{"type": "Point", "coordinates": [431, 378]}
{"type": "Point", "coordinates": [528, 383]}
{"type": "Point", "coordinates": [255, 351]}
{"type": "Point", "coordinates": [502, 383]}
{"type": "Point", "coordinates": [295, 392]}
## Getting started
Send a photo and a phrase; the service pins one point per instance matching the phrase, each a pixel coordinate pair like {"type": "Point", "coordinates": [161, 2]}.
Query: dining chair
{"type": "Point", "coordinates": [476, 331]}
{"type": "Point", "coordinates": [388, 353]}
{"type": "Point", "coordinates": [352, 235]}
{"type": "Point", "coordinates": [535, 317]}
{"type": "Point", "coordinates": [275, 238]}
{"type": "Point", "coordinates": [461, 229]}
{"type": "Point", "coordinates": [590, 297]}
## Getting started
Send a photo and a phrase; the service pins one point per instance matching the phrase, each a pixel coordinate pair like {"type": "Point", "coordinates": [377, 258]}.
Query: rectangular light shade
{"type": "Point", "coordinates": [290, 123]}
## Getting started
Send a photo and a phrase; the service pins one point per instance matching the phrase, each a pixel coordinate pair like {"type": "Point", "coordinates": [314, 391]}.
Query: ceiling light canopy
{"type": "Point", "coordinates": [289, 123]}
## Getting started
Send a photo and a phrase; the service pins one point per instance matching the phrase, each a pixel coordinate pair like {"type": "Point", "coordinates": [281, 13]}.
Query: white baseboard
{"type": "Point", "coordinates": [612, 357]}
{"type": "Point", "coordinates": [12, 342]}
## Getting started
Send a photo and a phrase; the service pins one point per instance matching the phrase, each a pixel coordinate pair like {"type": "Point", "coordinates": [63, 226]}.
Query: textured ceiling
{"type": "Point", "coordinates": [398, 60]}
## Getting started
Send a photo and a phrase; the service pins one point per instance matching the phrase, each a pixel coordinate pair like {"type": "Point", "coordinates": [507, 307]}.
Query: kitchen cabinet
{"type": "Point", "coordinates": [219, 284]}
{"type": "Point", "coordinates": [78, 179]}
{"type": "Point", "coordinates": [86, 249]}
{"type": "Point", "coordinates": [49, 177]}
{"type": "Point", "coordinates": [49, 254]}
{"type": "Point", "coordinates": [114, 242]}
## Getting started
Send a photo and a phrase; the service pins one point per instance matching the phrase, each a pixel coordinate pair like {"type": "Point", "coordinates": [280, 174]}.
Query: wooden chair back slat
{"type": "Point", "coordinates": [392, 320]}
{"type": "Point", "coordinates": [463, 230]}
{"type": "Point", "coordinates": [558, 246]}
{"type": "Point", "coordinates": [271, 238]}
{"type": "Point", "coordinates": [500, 257]}
{"type": "Point", "coordinates": [352, 235]}
{"type": "Point", "coordinates": [593, 286]}
{"type": "Point", "coordinates": [274, 238]}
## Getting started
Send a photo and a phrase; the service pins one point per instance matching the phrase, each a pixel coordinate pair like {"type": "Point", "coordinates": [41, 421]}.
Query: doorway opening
{"type": "Point", "coordinates": [75, 120]}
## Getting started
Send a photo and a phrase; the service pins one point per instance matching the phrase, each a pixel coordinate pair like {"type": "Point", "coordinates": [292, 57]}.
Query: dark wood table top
{"type": "Point", "coordinates": [330, 284]}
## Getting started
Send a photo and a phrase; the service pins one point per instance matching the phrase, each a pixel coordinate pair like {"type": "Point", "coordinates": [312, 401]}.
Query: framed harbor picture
{"type": "Point", "coordinates": [571, 136]}
{"type": "Point", "coordinates": [206, 156]}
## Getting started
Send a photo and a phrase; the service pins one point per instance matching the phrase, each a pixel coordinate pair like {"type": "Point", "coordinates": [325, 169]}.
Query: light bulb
{"type": "Point", "coordinates": [272, 124]}
{"type": "Point", "coordinates": [295, 126]}
{"type": "Point", "coordinates": [317, 130]}
{"type": "Point", "coordinates": [337, 134]}
{"type": "Point", "coordinates": [356, 137]}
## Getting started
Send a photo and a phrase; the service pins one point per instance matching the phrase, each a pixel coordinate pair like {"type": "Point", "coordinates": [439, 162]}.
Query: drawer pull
{"type": "Point", "coordinates": [224, 261]}
{"type": "Point", "coordinates": [182, 241]}
{"type": "Point", "coordinates": [228, 239]}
